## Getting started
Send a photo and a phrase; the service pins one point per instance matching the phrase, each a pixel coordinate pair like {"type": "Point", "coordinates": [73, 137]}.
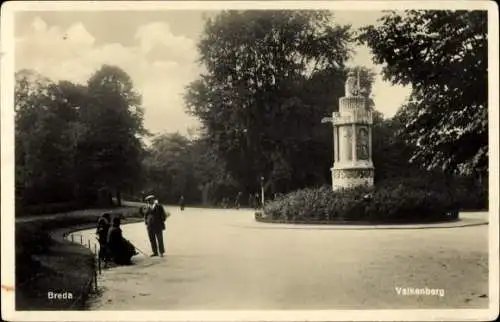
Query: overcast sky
{"type": "Point", "coordinates": [157, 49]}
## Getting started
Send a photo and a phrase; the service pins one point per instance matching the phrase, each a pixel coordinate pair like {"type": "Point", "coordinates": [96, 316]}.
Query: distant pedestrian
{"type": "Point", "coordinates": [237, 201]}
{"type": "Point", "coordinates": [257, 201]}
{"type": "Point", "coordinates": [182, 203]}
{"type": "Point", "coordinates": [154, 218]}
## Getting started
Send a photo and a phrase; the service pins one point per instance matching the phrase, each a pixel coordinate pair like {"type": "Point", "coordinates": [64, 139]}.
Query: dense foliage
{"type": "Point", "coordinates": [407, 201]}
{"type": "Point", "coordinates": [75, 144]}
{"type": "Point", "coordinates": [443, 56]}
{"type": "Point", "coordinates": [391, 154]}
{"type": "Point", "coordinates": [177, 166]}
{"type": "Point", "coordinates": [271, 76]}
{"type": "Point", "coordinates": [431, 196]}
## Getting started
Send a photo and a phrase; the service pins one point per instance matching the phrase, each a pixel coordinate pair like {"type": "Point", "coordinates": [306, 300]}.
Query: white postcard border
{"type": "Point", "coordinates": [7, 157]}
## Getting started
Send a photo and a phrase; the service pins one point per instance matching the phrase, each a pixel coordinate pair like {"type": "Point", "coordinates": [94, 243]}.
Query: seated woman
{"type": "Point", "coordinates": [121, 250]}
{"type": "Point", "coordinates": [103, 224]}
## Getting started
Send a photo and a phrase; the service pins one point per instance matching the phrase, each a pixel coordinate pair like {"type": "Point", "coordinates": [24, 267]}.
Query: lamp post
{"type": "Point", "coordinates": [262, 190]}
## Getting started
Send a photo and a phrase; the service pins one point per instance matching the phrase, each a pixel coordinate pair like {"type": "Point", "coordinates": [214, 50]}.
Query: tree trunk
{"type": "Point", "coordinates": [204, 190]}
{"type": "Point", "coordinates": [118, 198]}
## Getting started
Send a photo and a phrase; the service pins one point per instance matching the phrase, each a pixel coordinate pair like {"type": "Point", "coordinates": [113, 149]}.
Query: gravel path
{"type": "Point", "coordinates": [221, 259]}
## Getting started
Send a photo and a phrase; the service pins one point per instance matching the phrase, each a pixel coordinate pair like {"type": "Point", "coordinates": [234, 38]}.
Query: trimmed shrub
{"type": "Point", "coordinates": [410, 201]}
{"type": "Point", "coordinates": [473, 197]}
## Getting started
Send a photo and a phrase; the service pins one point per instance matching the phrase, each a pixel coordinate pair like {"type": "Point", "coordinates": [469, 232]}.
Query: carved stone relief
{"type": "Point", "coordinates": [362, 144]}
{"type": "Point", "coordinates": [353, 173]}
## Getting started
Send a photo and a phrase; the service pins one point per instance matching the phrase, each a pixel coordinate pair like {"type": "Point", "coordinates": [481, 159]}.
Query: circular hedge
{"type": "Point", "coordinates": [406, 202]}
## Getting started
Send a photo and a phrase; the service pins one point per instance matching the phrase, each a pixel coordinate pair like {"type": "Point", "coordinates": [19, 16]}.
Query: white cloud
{"type": "Point", "coordinates": [78, 35]}
{"type": "Point", "coordinates": [157, 36]}
{"type": "Point", "coordinates": [73, 55]}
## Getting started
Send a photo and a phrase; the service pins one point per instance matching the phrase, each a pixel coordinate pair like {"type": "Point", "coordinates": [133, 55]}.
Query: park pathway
{"type": "Point", "coordinates": [224, 260]}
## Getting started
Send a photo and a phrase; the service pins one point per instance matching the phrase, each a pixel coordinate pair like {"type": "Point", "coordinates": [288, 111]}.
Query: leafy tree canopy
{"type": "Point", "coordinates": [44, 138]}
{"type": "Point", "coordinates": [72, 140]}
{"type": "Point", "coordinates": [443, 55]}
{"type": "Point", "coordinates": [271, 76]}
{"type": "Point", "coordinates": [176, 165]}
{"type": "Point", "coordinates": [113, 119]}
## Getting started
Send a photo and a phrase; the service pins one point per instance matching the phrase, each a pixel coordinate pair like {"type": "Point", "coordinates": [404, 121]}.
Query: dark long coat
{"type": "Point", "coordinates": [155, 218]}
{"type": "Point", "coordinates": [120, 249]}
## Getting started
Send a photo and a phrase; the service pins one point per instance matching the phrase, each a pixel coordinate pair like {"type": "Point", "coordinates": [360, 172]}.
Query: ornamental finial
{"type": "Point", "coordinates": [350, 85]}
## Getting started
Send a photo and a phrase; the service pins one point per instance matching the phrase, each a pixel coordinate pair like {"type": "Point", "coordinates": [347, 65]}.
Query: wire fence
{"type": "Point", "coordinates": [92, 244]}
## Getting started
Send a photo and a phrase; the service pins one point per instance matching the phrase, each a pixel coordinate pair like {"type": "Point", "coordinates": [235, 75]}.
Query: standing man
{"type": "Point", "coordinates": [155, 218]}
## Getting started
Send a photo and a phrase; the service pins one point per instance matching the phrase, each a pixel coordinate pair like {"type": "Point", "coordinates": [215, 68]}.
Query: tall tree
{"type": "Point", "coordinates": [73, 140]}
{"type": "Point", "coordinates": [253, 102]}
{"type": "Point", "coordinates": [168, 167]}
{"type": "Point", "coordinates": [213, 179]}
{"type": "Point", "coordinates": [71, 98]}
{"type": "Point", "coordinates": [111, 148]}
{"type": "Point", "coordinates": [391, 154]}
{"type": "Point", "coordinates": [44, 139]}
{"type": "Point", "coordinates": [443, 55]}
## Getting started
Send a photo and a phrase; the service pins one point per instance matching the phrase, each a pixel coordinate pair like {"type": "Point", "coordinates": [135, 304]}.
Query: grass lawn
{"type": "Point", "coordinates": [45, 262]}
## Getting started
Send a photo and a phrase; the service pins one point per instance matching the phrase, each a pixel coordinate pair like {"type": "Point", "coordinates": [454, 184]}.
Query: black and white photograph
{"type": "Point", "coordinates": [271, 160]}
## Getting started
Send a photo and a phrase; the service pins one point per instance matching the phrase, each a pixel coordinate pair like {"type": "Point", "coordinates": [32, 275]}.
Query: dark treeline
{"type": "Point", "coordinates": [177, 166]}
{"type": "Point", "coordinates": [270, 77]}
{"type": "Point", "coordinates": [76, 145]}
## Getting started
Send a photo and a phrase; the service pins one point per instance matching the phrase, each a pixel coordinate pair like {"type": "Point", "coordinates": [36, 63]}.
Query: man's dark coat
{"type": "Point", "coordinates": [155, 218]}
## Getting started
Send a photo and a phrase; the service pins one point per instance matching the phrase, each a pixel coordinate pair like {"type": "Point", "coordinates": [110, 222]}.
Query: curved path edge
{"type": "Point", "coordinates": [465, 220]}
{"type": "Point", "coordinates": [67, 223]}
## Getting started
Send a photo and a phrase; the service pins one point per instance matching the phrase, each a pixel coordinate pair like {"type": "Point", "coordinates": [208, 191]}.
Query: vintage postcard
{"type": "Point", "coordinates": [249, 161]}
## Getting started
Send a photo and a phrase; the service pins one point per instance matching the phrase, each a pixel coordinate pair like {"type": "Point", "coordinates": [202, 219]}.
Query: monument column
{"type": "Point", "coordinates": [335, 144]}
{"type": "Point", "coordinates": [347, 170]}
{"type": "Point", "coordinates": [370, 143]}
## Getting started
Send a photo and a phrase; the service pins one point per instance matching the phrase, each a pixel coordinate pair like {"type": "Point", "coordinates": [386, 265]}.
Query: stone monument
{"type": "Point", "coordinates": [352, 139]}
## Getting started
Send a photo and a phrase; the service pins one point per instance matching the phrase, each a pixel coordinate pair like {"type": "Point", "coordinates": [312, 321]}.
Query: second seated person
{"type": "Point", "coordinates": [120, 249]}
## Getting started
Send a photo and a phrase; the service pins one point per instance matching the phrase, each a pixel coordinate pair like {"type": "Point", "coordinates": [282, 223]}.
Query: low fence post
{"type": "Point", "coordinates": [81, 239]}
{"type": "Point", "coordinates": [99, 263]}
{"type": "Point", "coordinates": [72, 238]}
{"type": "Point", "coordinates": [88, 243]}
{"type": "Point", "coordinates": [95, 279]}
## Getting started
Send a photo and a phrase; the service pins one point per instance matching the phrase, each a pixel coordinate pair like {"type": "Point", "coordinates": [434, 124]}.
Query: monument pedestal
{"type": "Point", "coordinates": [352, 140]}
{"type": "Point", "coordinates": [352, 177]}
